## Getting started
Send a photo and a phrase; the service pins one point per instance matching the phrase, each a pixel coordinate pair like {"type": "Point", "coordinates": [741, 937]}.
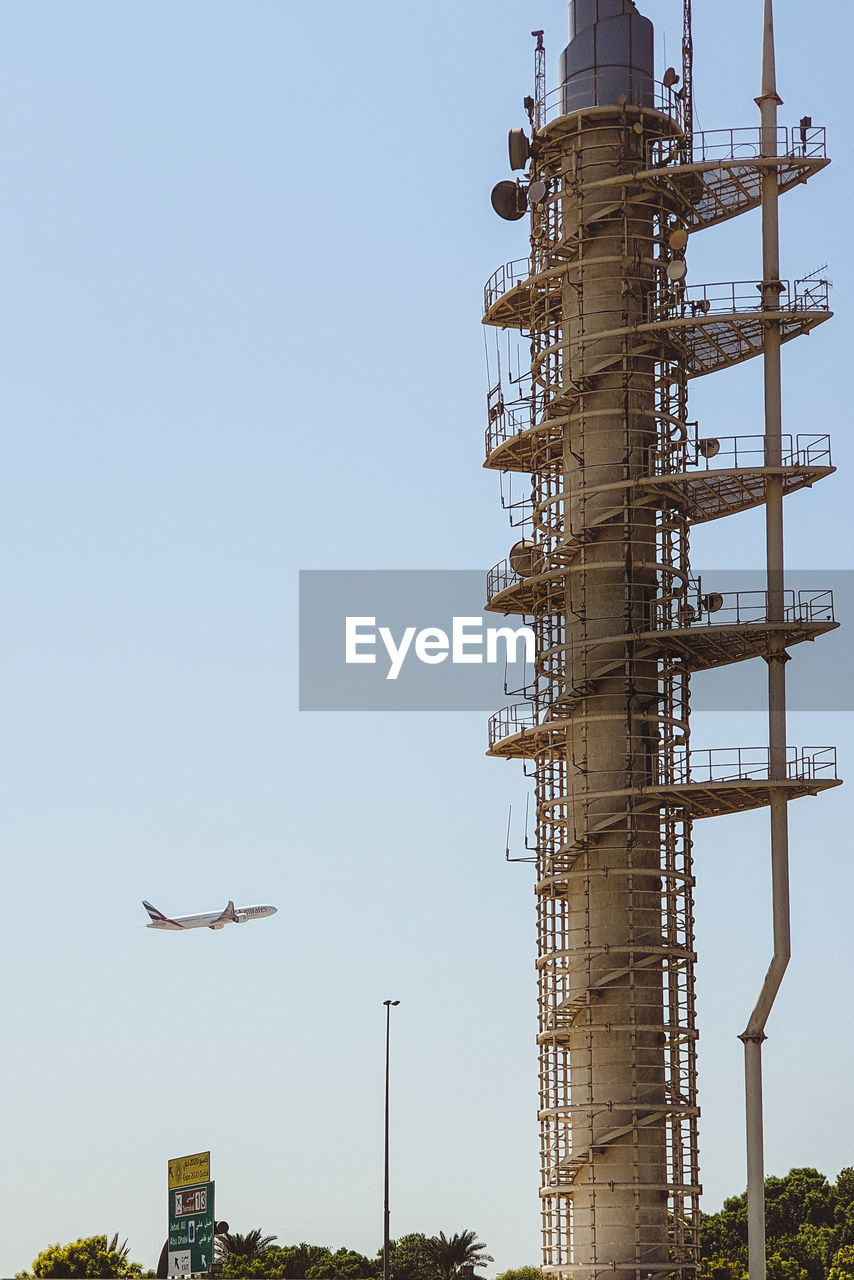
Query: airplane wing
{"type": "Point", "coordinates": [228, 916]}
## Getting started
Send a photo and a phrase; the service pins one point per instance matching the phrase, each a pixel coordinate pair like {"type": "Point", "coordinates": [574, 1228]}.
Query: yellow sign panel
{"type": "Point", "coordinates": [184, 1171]}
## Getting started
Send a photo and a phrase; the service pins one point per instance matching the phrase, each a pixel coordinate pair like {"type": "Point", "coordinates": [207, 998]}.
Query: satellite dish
{"type": "Point", "coordinates": [709, 448]}
{"type": "Point", "coordinates": [671, 78]}
{"type": "Point", "coordinates": [677, 270]}
{"type": "Point", "coordinates": [537, 192]}
{"type": "Point", "coordinates": [713, 602]}
{"type": "Point", "coordinates": [678, 239]}
{"type": "Point", "coordinates": [519, 148]}
{"type": "Point", "coordinates": [526, 558]}
{"type": "Point", "coordinates": [506, 198]}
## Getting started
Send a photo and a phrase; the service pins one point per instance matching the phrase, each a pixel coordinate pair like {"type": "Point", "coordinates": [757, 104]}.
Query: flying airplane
{"type": "Point", "coordinates": [208, 920]}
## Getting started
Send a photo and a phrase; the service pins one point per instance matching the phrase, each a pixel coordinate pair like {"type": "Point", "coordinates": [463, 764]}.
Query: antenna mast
{"type": "Point", "coordinates": [688, 77]}
{"type": "Point", "coordinates": [539, 80]}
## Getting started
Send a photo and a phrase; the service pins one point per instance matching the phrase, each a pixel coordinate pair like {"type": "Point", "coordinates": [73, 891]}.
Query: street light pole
{"type": "Point", "coordinates": [388, 1007]}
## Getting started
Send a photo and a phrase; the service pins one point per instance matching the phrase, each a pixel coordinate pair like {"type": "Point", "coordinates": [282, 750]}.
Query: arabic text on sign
{"type": "Point", "coordinates": [194, 1201]}
{"type": "Point", "coordinates": [186, 1170]}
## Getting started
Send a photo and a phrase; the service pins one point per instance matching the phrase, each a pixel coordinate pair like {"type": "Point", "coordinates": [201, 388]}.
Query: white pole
{"type": "Point", "coordinates": [754, 1034]}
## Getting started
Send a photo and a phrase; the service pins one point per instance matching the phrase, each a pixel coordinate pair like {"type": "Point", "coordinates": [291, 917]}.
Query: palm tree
{"type": "Point", "coordinates": [250, 1246]}
{"type": "Point", "coordinates": [447, 1255]}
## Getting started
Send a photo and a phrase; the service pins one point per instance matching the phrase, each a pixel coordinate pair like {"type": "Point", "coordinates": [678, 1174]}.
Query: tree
{"type": "Point", "coordinates": [808, 1222]}
{"type": "Point", "coordinates": [842, 1267]}
{"type": "Point", "coordinates": [344, 1264]}
{"type": "Point", "coordinates": [269, 1264]}
{"type": "Point", "coordinates": [298, 1262]}
{"type": "Point", "coordinates": [780, 1267]}
{"type": "Point", "coordinates": [249, 1246]}
{"type": "Point", "coordinates": [521, 1273]}
{"type": "Point", "coordinates": [91, 1256]}
{"type": "Point", "coordinates": [718, 1268]}
{"type": "Point", "coordinates": [407, 1258]}
{"type": "Point", "coordinates": [446, 1255]}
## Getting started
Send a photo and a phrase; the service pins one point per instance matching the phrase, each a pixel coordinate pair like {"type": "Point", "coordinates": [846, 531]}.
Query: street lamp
{"type": "Point", "coordinates": [388, 1008]}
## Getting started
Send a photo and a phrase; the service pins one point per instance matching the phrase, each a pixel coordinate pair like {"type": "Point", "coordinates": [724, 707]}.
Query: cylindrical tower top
{"type": "Point", "coordinates": [610, 53]}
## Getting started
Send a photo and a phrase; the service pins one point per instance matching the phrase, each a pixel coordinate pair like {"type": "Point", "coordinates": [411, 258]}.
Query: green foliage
{"type": "Point", "coordinates": [521, 1273]}
{"type": "Point", "coordinates": [299, 1262]}
{"type": "Point", "coordinates": [842, 1267]}
{"type": "Point", "coordinates": [92, 1256]}
{"type": "Point", "coordinates": [445, 1255]}
{"type": "Point", "coordinates": [718, 1268]}
{"type": "Point", "coordinates": [407, 1258]}
{"type": "Point", "coordinates": [250, 1246]}
{"type": "Point", "coordinates": [344, 1264]}
{"type": "Point", "coordinates": [412, 1257]}
{"type": "Point", "coordinates": [809, 1223]}
{"type": "Point", "coordinates": [780, 1267]}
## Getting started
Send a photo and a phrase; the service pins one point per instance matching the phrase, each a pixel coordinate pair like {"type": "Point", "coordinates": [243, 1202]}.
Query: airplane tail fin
{"type": "Point", "coordinates": [157, 917]}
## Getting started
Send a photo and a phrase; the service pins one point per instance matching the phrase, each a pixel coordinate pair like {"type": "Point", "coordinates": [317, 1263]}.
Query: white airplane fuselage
{"type": "Point", "coordinates": [208, 919]}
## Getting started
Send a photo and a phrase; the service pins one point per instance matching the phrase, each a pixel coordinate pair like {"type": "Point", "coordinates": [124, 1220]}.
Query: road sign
{"type": "Point", "coordinates": [188, 1171]}
{"type": "Point", "coordinates": [191, 1229]}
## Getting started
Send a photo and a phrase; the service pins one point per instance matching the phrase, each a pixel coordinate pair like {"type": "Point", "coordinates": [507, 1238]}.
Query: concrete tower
{"type": "Point", "coordinates": [588, 397]}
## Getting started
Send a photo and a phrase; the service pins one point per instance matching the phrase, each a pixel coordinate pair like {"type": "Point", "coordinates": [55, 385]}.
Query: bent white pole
{"type": "Point", "coordinates": [754, 1034]}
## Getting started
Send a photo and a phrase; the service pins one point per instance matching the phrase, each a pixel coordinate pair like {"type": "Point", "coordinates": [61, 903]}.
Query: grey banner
{"type": "Point", "coordinates": [398, 640]}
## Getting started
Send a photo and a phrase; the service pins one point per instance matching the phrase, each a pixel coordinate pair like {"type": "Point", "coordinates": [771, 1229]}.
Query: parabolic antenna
{"type": "Point", "coordinates": [709, 448]}
{"type": "Point", "coordinates": [506, 199]}
{"type": "Point", "coordinates": [678, 239]}
{"type": "Point", "coordinates": [526, 558]}
{"type": "Point", "coordinates": [536, 192]}
{"type": "Point", "coordinates": [677, 270]}
{"type": "Point", "coordinates": [671, 77]}
{"type": "Point", "coordinates": [713, 602]}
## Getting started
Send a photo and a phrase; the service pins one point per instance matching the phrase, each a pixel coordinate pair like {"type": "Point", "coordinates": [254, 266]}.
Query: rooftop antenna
{"type": "Point", "coordinates": [539, 80]}
{"type": "Point", "coordinates": [688, 77]}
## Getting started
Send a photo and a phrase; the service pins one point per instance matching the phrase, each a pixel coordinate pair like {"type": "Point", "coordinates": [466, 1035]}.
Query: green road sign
{"type": "Point", "coordinates": [191, 1229]}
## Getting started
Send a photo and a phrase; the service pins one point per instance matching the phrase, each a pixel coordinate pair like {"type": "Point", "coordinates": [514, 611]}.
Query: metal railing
{"type": "Point", "coordinates": [721, 145]}
{"type": "Point", "coordinates": [511, 720]}
{"type": "Point", "coordinates": [719, 453]}
{"type": "Point", "coordinates": [745, 764]}
{"type": "Point", "coordinates": [507, 423]}
{"type": "Point", "coordinates": [725, 297]}
{"type": "Point", "coordinates": [736, 298]}
{"type": "Point", "coordinates": [715, 609]}
{"type": "Point", "coordinates": [504, 279]}
{"type": "Point", "coordinates": [728, 453]}
{"type": "Point", "coordinates": [738, 608]}
{"type": "Point", "coordinates": [683, 767]}
{"type": "Point", "coordinates": [640, 91]}
{"type": "Point", "coordinates": [500, 578]}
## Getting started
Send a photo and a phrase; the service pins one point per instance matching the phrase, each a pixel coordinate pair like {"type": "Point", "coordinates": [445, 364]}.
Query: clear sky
{"type": "Point", "coordinates": [243, 247]}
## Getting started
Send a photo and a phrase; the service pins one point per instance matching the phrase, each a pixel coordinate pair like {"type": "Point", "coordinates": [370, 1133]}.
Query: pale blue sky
{"type": "Point", "coordinates": [243, 250]}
